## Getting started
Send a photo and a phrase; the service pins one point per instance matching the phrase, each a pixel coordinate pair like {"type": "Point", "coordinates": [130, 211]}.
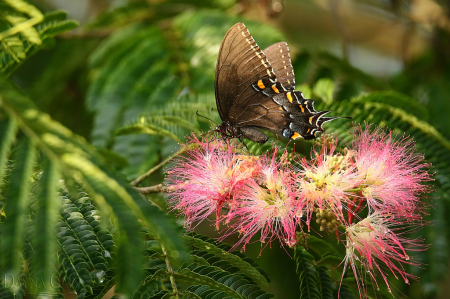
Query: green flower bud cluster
{"type": "Point", "coordinates": [327, 220]}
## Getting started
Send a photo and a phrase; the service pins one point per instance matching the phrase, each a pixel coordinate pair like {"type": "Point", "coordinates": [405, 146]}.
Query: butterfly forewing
{"type": "Point", "coordinates": [240, 63]}
{"type": "Point", "coordinates": [280, 58]}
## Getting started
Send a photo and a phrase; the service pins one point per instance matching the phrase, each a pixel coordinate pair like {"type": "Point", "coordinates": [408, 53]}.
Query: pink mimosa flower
{"type": "Point", "coordinates": [325, 180]}
{"type": "Point", "coordinates": [377, 245]}
{"type": "Point", "coordinates": [208, 178]}
{"type": "Point", "coordinates": [393, 173]}
{"type": "Point", "coordinates": [266, 205]}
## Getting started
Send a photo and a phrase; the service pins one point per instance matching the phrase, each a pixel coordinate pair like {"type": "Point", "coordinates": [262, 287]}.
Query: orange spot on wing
{"type": "Point", "coordinates": [289, 96]}
{"type": "Point", "coordinates": [261, 84]}
{"type": "Point", "coordinates": [301, 107]}
{"type": "Point", "coordinates": [275, 89]}
{"type": "Point", "coordinates": [295, 136]}
{"type": "Point", "coordinates": [308, 131]}
{"type": "Point", "coordinates": [310, 120]}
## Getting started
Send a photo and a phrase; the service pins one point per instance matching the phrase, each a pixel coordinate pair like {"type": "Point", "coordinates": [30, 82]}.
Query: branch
{"type": "Point", "coordinates": [160, 188]}
{"type": "Point", "coordinates": [21, 27]}
{"type": "Point", "coordinates": [152, 170]}
{"type": "Point", "coordinates": [170, 271]}
{"type": "Point", "coordinates": [101, 33]}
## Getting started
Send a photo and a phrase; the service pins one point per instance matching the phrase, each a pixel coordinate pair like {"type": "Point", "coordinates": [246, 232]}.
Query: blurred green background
{"type": "Point", "coordinates": [131, 76]}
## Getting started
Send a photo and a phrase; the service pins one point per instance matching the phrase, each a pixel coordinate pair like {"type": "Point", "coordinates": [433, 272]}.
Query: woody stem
{"type": "Point", "coordinates": [170, 271]}
{"type": "Point", "coordinates": [156, 167]}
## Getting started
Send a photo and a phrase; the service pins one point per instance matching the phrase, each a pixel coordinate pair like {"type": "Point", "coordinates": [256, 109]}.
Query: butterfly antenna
{"type": "Point", "coordinates": [206, 117]}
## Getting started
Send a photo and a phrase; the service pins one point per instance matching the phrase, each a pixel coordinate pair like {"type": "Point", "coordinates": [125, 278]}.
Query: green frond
{"type": "Point", "coordinates": [191, 295]}
{"type": "Point", "coordinates": [140, 151]}
{"type": "Point", "coordinates": [146, 129]}
{"type": "Point", "coordinates": [398, 100]}
{"type": "Point", "coordinates": [323, 251]}
{"type": "Point", "coordinates": [162, 295]}
{"type": "Point", "coordinates": [211, 274]}
{"type": "Point", "coordinates": [308, 275]}
{"type": "Point", "coordinates": [180, 116]}
{"type": "Point", "coordinates": [161, 227]}
{"type": "Point", "coordinates": [222, 283]}
{"type": "Point", "coordinates": [147, 289]}
{"type": "Point", "coordinates": [129, 242]}
{"type": "Point", "coordinates": [16, 199]}
{"type": "Point", "coordinates": [327, 286]}
{"type": "Point", "coordinates": [24, 30]}
{"type": "Point", "coordinates": [22, 17]}
{"type": "Point", "coordinates": [115, 197]}
{"type": "Point", "coordinates": [345, 292]}
{"type": "Point", "coordinates": [126, 82]}
{"type": "Point", "coordinates": [205, 244]}
{"type": "Point", "coordinates": [86, 249]}
{"type": "Point", "coordinates": [8, 129]}
{"type": "Point", "coordinates": [44, 241]}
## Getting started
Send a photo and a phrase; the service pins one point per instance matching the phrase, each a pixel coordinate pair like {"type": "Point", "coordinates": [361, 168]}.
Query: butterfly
{"type": "Point", "coordinates": [255, 90]}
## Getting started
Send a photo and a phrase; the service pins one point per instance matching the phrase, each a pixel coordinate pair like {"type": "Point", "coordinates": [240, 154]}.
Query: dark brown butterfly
{"type": "Point", "coordinates": [255, 90]}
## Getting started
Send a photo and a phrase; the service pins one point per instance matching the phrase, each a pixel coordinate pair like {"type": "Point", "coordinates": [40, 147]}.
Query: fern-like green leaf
{"type": "Point", "coordinates": [8, 128]}
{"type": "Point", "coordinates": [146, 129]}
{"type": "Point", "coordinates": [195, 278]}
{"type": "Point", "coordinates": [114, 196]}
{"type": "Point", "coordinates": [124, 75]}
{"type": "Point", "coordinates": [129, 243]}
{"type": "Point", "coordinates": [324, 252]}
{"type": "Point", "coordinates": [327, 285]}
{"type": "Point", "coordinates": [21, 36]}
{"type": "Point", "coordinates": [44, 241]}
{"type": "Point", "coordinates": [16, 197]}
{"type": "Point", "coordinates": [234, 260]}
{"type": "Point", "coordinates": [345, 292]}
{"type": "Point", "coordinates": [308, 275]}
{"type": "Point", "coordinates": [21, 24]}
{"type": "Point", "coordinates": [86, 249]}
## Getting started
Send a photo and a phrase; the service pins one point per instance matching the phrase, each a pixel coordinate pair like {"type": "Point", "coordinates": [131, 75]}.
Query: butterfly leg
{"type": "Point", "coordinates": [241, 139]}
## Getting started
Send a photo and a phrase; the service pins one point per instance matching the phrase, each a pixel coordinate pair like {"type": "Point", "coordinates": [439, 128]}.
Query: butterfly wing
{"type": "Point", "coordinates": [279, 57]}
{"type": "Point", "coordinates": [249, 95]}
{"type": "Point", "coordinates": [287, 114]}
{"type": "Point", "coordinates": [239, 64]}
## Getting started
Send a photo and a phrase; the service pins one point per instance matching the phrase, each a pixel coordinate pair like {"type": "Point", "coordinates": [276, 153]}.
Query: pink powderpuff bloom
{"type": "Point", "coordinates": [325, 181]}
{"type": "Point", "coordinates": [377, 244]}
{"type": "Point", "coordinates": [393, 173]}
{"type": "Point", "coordinates": [266, 205]}
{"type": "Point", "coordinates": [207, 179]}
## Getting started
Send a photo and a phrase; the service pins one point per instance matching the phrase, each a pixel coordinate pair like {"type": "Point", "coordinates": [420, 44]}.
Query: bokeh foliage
{"type": "Point", "coordinates": [131, 82]}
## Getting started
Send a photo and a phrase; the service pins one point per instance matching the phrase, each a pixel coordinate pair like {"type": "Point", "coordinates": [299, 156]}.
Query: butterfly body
{"type": "Point", "coordinates": [255, 90]}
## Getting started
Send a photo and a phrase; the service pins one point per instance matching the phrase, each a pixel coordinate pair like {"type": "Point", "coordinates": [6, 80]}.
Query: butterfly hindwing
{"type": "Point", "coordinates": [280, 58]}
{"type": "Point", "coordinates": [292, 120]}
